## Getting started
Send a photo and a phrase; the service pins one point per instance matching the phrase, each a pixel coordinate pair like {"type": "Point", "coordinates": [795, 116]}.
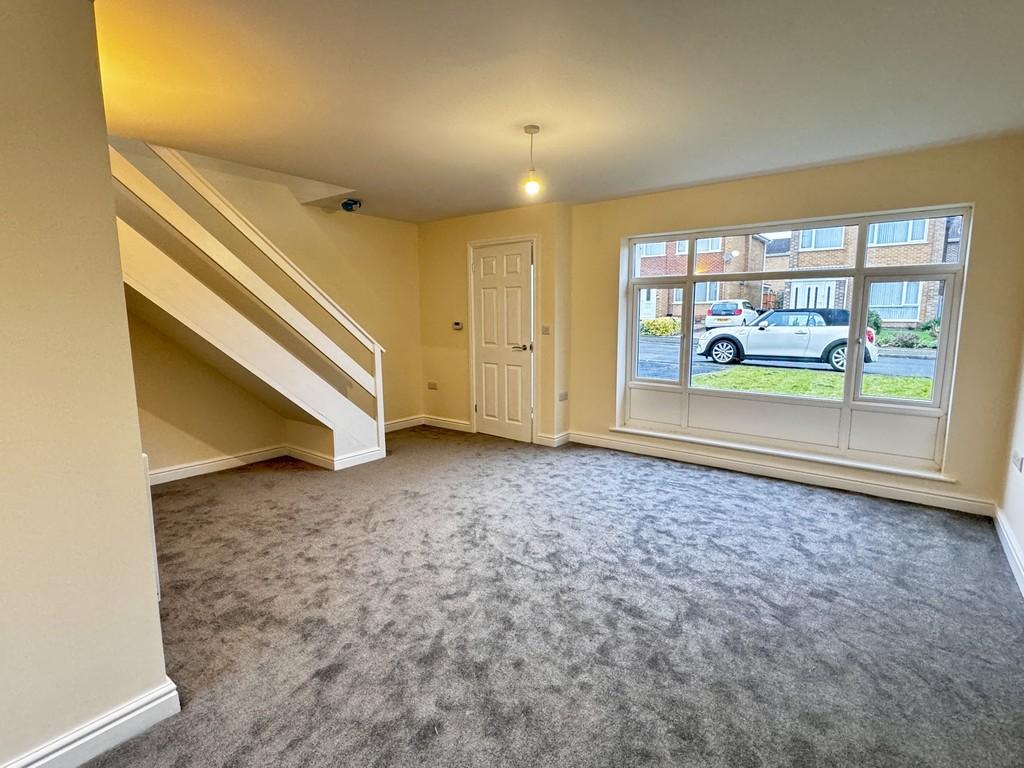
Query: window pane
{"type": "Point", "coordinates": [796, 346]}
{"type": "Point", "coordinates": [914, 241]}
{"type": "Point", "coordinates": [659, 323]}
{"type": "Point", "coordinates": [667, 257]}
{"type": "Point", "coordinates": [829, 248]}
{"type": "Point", "coordinates": [709, 244]}
{"type": "Point", "coordinates": [821, 239]}
{"type": "Point", "coordinates": [903, 339]}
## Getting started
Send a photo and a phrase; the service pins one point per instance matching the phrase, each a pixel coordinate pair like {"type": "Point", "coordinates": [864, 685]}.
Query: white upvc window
{"type": "Point", "coordinates": [705, 292]}
{"type": "Point", "coordinates": [841, 384]}
{"type": "Point", "coordinates": [709, 245]}
{"type": "Point", "coordinates": [896, 301]}
{"type": "Point", "coordinates": [650, 249]}
{"type": "Point", "coordinates": [898, 232]}
{"type": "Point", "coordinates": [825, 238]}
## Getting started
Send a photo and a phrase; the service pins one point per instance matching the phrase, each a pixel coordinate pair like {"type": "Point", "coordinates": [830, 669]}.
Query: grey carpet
{"type": "Point", "coordinates": [477, 602]}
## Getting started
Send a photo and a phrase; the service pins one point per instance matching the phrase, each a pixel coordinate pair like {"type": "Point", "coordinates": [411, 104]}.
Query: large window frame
{"type": "Point", "coordinates": [862, 276]}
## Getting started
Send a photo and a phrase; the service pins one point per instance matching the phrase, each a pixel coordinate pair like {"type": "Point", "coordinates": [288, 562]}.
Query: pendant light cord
{"type": "Point", "coordinates": [531, 153]}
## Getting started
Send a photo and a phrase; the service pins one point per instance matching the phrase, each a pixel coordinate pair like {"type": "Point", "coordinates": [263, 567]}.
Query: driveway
{"type": "Point", "coordinates": [659, 359]}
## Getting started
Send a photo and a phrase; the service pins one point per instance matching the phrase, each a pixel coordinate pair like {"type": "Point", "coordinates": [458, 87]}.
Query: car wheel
{"type": "Point", "coordinates": [837, 358]}
{"type": "Point", "coordinates": [724, 351]}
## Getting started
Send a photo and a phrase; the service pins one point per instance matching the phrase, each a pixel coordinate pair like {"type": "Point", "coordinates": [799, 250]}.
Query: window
{"type": "Point", "coordinates": [922, 241]}
{"type": "Point", "coordinates": [658, 335]}
{"type": "Point", "coordinates": [703, 292]}
{"type": "Point", "coordinates": [821, 239]}
{"type": "Point", "coordinates": [644, 250]}
{"type": "Point", "coordinates": [787, 351]}
{"type": "Point", "coordinates": [896, 301]}
{"type": "Point", "coordinates": [660, 258]}
{"type": "Point", "coordinates": [908, 337]}
{"type": "Point", "coordinates": [846, 345]}
{"type": "Point", "coordinates": [898, 232]}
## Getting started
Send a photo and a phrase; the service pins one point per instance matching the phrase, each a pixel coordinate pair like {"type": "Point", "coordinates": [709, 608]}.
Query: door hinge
{"type": "Point", "coordinates": [474, 408]}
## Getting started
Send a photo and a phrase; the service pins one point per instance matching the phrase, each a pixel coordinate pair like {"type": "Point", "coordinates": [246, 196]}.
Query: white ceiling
{"type": "Point", "coordinates": [419, 105]}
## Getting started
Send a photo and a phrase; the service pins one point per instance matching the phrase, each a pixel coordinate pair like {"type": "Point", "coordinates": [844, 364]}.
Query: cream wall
{"type": "Point", "coordinates": [368, 265]}
{"type": "Point", "coordinates": [188, 411]}
{"type": "Point", "coordinates": [444, 297]}
{"type": "Point", "coordinates": [989, 174]}
{"type": "Point", "coordinates": [80, 627]}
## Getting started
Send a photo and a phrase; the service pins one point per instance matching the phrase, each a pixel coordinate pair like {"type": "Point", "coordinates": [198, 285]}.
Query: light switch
{"type": "Point", "coordinates": [545, 330]}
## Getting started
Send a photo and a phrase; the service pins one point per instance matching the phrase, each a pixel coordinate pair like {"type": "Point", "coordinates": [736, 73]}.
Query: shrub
{"type": "Point", "coordinates": [875, 321]}
{"type": "Point", "coordinates": [906, 340]}
{"type": "Point", "coordinates": [661, 326]}
{"type": "Point", "coordinates": [931, 326]}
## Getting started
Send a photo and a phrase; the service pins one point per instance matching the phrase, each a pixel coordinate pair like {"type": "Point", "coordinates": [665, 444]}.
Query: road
{"type": "Point", "coordinates": [659, 359]}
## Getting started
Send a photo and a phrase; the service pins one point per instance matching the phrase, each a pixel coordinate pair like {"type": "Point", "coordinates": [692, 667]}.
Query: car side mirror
{"type": "Point", "coordinates": [762, 325]}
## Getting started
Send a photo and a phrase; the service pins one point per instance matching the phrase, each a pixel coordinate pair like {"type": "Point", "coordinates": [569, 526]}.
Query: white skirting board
{"type": "Point", "coordinates": [552, 441]}
{"type": "Point", "coordinates": [180, 471]}
{"type": "Point", "coordinates": [432, 421]}
{"type": "Point", "coordinates": [871, 488]}
{"type": "Point", "coordinates": [1013, 548]}
{"type": "Point", "coordinates": [191, 469]}
{"type": "Point", "coordinates": [396, 424]}
{"type": "Point", "coordinates": [107, 731]}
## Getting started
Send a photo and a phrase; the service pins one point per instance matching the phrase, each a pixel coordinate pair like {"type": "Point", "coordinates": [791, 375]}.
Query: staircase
{"type": "Point", "coordinates": [191, 256]}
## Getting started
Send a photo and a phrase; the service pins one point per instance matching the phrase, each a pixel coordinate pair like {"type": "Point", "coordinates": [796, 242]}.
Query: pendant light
{"type": "Point", "coordinates": [531, 186]}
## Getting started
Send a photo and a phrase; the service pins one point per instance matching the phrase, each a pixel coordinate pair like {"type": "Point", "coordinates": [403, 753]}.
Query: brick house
{"type": "Point", "coordinates": [898, 243]}
{"type": "Point", "coordinates": [900, 304]}
{"type": "Point", "coordinates": [716, 256]}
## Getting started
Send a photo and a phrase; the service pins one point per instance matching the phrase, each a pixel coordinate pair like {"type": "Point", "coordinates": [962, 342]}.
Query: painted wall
{"type": "Point", "coordinates": [444, 297]}
{"type": "Point", "coordinates": [989, 174]}
{"type": "Point", "coordinates": [188, 411]}
{"type": "Point", "coordinates": [80, 626]}
{"type": "Point", "coordinates": [367, 265]}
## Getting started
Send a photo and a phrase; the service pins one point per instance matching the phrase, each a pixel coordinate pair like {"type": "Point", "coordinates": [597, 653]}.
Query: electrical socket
{"type": "Point", "coordinates": [431, 385]}
{"type": "Point", "coordinates": [563, 396]}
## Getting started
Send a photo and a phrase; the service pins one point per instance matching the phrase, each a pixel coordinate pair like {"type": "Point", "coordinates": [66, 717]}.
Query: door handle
{"type": "Point", "coordinates": [800, 333]}
{"type": "Point", "coordinates": [519, 347]}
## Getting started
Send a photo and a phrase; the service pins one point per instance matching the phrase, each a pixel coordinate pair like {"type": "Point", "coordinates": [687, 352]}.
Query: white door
{"type": "Point", "coordinates": [814, 294]}
{"type": "Point", "coordinates": [503, 339]}
{"type": "Point", "coordinates": [648, 306]}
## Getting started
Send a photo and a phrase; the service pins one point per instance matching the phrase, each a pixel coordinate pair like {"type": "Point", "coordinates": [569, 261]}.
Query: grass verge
{"type": "Point", "coordinates": [809, 383]}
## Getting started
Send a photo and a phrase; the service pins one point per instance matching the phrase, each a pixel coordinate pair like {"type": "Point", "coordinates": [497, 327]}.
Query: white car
{"type": "Point", "coordinates": [723, 314]}
{"type": "Point", "coordinates": [803, 335]}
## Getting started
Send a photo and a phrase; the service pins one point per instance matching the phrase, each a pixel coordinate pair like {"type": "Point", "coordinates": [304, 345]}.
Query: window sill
{"type": "Point", "coordinates": [836, 461]}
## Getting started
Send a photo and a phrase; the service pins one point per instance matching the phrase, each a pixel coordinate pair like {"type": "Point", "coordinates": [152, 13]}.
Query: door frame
{"type": "Point", "coordinates": [534, 241]}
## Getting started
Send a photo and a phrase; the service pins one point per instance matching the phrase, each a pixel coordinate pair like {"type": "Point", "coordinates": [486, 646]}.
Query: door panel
{"type": "Point", "coordinates": [503, 335]}
{"type": "Point", "coordinates": [785, 336]}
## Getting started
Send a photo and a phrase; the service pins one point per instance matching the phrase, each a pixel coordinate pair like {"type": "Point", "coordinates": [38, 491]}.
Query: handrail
{"type": "Point", "coordinates": [161, 204]}
{"type": "Point", "coordinates": [188, 173]}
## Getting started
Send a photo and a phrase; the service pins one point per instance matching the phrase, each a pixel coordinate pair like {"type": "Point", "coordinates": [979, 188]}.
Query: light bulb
{"type": "Point", "coordinates": [531, 187]}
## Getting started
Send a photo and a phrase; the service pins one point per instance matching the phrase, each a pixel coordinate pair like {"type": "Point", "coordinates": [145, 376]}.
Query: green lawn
{"type": "Point", "coordinates": [924, 339]}
{"type": "Point", "coordinates": [808, 383]}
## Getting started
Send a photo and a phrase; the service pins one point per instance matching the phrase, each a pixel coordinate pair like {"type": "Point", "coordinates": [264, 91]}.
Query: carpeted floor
{"type": "Point", "coordinates": [477, 602]}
